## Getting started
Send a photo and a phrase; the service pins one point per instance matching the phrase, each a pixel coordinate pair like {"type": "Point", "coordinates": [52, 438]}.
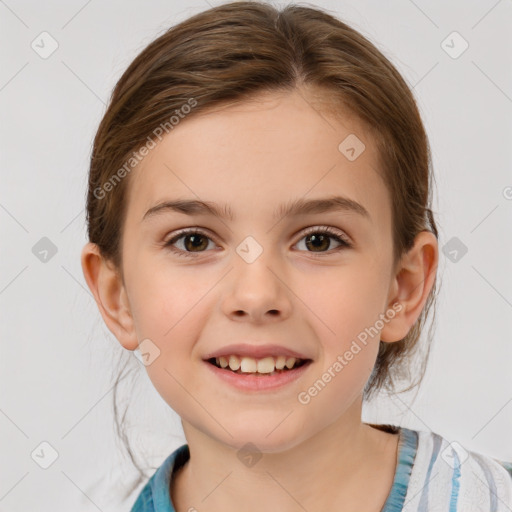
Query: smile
{"type": "Point", "coordinates": [264, 366]}
{"type": "Point", "coordinates": [246, 377]}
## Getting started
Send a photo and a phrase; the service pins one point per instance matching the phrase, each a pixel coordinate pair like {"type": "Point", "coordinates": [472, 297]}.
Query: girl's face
{"type": "Point", "coordinates": [258, 277]}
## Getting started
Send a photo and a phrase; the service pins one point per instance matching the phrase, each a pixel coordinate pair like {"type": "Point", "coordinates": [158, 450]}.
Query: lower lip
{"type": "Point", "coordinates": [250, 382]}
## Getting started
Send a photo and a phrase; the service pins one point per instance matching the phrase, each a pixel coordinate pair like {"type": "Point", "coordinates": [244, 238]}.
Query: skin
{"type": "Point", "coordinates": [255, 156]}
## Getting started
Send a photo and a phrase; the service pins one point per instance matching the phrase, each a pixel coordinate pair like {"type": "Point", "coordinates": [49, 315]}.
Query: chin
{"type": "Point", "coordinates": [258, 439]}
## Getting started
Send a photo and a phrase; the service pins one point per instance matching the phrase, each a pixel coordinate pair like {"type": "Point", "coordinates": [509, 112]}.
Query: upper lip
{"type": "Point", "coordinates": [254, 351]}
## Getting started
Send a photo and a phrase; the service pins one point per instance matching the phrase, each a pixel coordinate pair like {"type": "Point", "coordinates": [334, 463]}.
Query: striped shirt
{"type": "Point", "coordinates": [432, 475]}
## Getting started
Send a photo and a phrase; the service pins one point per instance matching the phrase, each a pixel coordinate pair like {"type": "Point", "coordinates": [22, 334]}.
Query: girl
{"type": "Point", "coordinates": [260, 229]}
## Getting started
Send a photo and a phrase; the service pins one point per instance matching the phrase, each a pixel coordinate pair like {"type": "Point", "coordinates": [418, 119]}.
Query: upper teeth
{"type": "Point", "coordinates": [251, 365]}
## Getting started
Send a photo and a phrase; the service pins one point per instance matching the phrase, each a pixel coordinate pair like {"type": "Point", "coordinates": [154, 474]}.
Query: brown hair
{"type": "Point", "coordinates": [231, 52]}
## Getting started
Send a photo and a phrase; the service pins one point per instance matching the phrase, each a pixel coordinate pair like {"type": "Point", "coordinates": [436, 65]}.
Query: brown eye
{"type": "Point", "coordinates": [189, 242]}
{"type": "Point", "coordinates": [195, 241]}
{"type": "Point", "coordinates": [318, 240]}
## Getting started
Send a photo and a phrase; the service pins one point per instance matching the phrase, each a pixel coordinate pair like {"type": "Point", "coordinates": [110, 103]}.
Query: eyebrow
{"type": "Point", "coordinates": [296, 207]}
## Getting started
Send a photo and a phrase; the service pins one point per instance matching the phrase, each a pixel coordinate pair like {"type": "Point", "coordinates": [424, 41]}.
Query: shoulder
{"type": "Point", "coordinates": [155, 495]}
{"type": "Point", "coordinates": [447, 476]}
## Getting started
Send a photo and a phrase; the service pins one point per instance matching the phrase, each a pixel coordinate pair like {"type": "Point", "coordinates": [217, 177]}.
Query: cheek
{"type": "Point", "coordinates": [172, 317]}
{"type": "Point", "coordinates": [349, 302]}
{"type": "Point", "coordinates": [163, 297]}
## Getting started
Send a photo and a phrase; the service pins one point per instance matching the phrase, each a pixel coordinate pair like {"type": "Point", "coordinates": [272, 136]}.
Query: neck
{"type": "Point", "coordinates": [336, 465]}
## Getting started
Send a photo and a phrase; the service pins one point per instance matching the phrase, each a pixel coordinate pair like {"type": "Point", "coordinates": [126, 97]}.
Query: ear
{"type": "Point", "coordinates": [409, 290]}
{"type": "Point", "coordinates": [106, 284]}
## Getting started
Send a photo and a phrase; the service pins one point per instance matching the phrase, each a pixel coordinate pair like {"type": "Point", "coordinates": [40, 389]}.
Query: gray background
{"type": "Point", "coordinates": [57, 357]}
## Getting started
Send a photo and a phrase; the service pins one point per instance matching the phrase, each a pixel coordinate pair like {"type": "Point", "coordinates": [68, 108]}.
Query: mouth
{"type": "Point", "coordinates": [266, 366]}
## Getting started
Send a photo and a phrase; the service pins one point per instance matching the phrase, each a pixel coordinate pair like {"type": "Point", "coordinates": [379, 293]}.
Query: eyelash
{"type": "Point", "coordinates": [324, 230]}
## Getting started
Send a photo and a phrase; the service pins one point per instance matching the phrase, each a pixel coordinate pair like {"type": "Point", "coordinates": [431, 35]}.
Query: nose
{"type": "Point", "coordinates": [257, 291]}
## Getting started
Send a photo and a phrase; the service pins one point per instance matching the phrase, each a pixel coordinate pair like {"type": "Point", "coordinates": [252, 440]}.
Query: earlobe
{"type": "Point", "coordinates": [106, 285]}
{"type": "Point", "coordinates": [411, 286]}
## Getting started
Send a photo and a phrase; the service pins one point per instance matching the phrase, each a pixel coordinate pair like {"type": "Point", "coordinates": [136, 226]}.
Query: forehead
{"type": "Point", "coordinates": [260, 153]}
